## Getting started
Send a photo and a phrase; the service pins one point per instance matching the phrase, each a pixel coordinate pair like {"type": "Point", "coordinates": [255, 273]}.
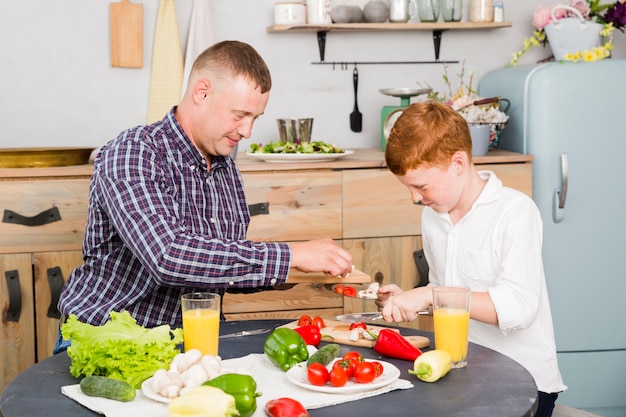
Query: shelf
{"type": "Point", "coordinates": [436, 28]}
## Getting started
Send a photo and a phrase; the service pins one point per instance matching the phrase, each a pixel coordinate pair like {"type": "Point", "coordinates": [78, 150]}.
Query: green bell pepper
{"type": "Point", "coordinates": [285, 348]}
{"type": "Point", "coordinates": [241, 387]}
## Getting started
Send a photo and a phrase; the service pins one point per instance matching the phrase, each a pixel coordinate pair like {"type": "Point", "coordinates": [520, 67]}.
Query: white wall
{"type": "Point", "coordinates": [57, 87]}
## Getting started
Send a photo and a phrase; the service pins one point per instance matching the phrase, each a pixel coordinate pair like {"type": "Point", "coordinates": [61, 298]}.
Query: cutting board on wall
{"type": "Point", "coordinates": [126, 27]}
{"type": "Point", "coordinates": [339, 332]}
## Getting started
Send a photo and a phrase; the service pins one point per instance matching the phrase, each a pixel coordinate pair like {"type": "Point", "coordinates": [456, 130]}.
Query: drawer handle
{"type": "Point", "coordinates": [55, 280]}
{"type": "Point", "coordinates": [47, 216]}
{"type": "Point", "coordinates": [259, 208]}
{"type": "Point", "coordinates": [15, 295]}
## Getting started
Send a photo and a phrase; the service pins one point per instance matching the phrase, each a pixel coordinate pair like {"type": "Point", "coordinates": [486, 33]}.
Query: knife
{"type": "Point", "coordinates": [244, 333]}
{"type": "Point", "coordinates": [356, 317]}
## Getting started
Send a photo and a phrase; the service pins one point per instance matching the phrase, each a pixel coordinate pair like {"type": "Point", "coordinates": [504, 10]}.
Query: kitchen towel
{"type": "Point", "coordinates": [167, 63]}
{"type": "Point", "coordinates": [200, 35]}
{"type": "Point", "coordinates": [271, 381]}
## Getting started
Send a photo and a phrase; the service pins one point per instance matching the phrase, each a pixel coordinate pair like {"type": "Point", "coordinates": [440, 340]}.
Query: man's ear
{"type": "Point", "coordinates": [201, 89]}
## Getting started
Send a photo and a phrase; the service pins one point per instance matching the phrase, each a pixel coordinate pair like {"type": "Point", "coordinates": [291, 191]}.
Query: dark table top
{"type": "Point", "coordinates": [491, 385]}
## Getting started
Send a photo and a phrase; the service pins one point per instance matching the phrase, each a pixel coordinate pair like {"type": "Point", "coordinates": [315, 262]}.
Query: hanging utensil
{"type": "Point", "coordinates": [356, 118]}
{"type": "Point", "coordinates": [126, 26]}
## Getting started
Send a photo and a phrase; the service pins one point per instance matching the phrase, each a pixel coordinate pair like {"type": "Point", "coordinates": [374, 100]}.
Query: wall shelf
{"type": "Point", "coordinates": [437, 30]}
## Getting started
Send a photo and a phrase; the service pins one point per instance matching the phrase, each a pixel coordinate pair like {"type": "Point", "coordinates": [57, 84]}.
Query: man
{"type": "Point", "coordinates": [167, 210]}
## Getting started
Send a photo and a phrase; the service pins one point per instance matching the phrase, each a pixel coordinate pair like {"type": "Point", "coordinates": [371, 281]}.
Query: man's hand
{"type": "Point", "coordinates": [321, 255]}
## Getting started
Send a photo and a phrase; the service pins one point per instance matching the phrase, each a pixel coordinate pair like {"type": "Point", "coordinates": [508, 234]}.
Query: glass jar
{"type": "Point", "coordinates": [428, 10]}
{"type": "Point", "coordinates": [451, 10]}
{"type": "Point", "coordinates": [481, 11]}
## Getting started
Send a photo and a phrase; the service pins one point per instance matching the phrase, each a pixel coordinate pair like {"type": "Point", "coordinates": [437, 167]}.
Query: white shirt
{"type": "Point", "coordinates": [496, 247]}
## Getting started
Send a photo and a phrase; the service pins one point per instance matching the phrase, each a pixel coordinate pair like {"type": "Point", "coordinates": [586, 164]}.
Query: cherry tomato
{"type": "Point", "coordinates": [305, 321]}
{"type": "Point", "coordinates": [353, 355]}
{"type": "Point", "coordinates": [349, 291]}
{"type": "Point", "coordinates": [317, 374]}
{"type": "Point", "coordinates": [339, 289]}
{"type": "Point", "coordinates": [364, 372]}
{"type": "Point", "coordinates": [319, 322]}
{"type": "Point", "coordinates": [359, 325]}
{"type": "Point", "coordinates": [338, 377]}
{"type": "Point", "coordinates": [379, 368]}
{"type": "Point", "coordinates": [346, 366]}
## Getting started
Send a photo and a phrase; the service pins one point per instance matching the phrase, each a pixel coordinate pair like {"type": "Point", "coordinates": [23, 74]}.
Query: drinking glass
{"type": "Point", "coordinates": [451, 317]}
{"type": "Point", "coordinates": [201, 321]}
{"type": "Point", "coordinates": [428, 10]}
{"type": "Point", "coordinates": [451, 10]}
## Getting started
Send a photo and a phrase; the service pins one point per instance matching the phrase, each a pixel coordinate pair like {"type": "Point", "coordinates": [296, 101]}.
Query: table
{"type": "Point", "coordinates": [491, 384]}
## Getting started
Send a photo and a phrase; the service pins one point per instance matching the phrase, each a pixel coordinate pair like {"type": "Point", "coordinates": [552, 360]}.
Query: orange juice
{"type": "Point", "coordinates": [451, 327]}
{"type": "Point", "coordinates": [201, 328]}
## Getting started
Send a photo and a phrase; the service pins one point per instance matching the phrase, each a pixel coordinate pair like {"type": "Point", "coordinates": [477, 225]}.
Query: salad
{"type": "Point", "coordinates": [288, 147]}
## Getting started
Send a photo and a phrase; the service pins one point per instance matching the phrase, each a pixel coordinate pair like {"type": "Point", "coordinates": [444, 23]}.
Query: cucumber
{"type": "Point", "coordinates": [324, 355]}
{"type": "Point", "coordinates": [113, 389]}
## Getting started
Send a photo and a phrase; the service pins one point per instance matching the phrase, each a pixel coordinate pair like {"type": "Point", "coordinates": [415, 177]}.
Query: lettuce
{"type": "Point", "coordinates": [120, 349]}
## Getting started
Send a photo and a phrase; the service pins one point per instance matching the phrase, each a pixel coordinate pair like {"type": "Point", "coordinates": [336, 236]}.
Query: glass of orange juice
{"type": "Point", "coordinates": [201, 321]}
{"type": "Point", "coordinates": [451, 317]}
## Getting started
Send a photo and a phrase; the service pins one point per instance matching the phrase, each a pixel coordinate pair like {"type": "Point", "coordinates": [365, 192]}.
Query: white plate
{"type": "Point", "coordinates": [299, 157]}
{"type": "Point", "coordinates": [146, 389]}
{"type": "Point", "coordinates": [298, 376]}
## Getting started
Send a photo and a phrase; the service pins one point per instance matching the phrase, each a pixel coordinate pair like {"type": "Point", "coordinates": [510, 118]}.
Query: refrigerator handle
{"type": "Point", "coordinates": [560, 196]}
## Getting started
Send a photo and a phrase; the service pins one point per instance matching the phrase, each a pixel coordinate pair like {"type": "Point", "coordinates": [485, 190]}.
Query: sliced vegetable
{"type": "Point", "coordinates": [311, 334]}
{"type": "Point", "coordinates": [305, 320]}
{"type": "Point", "coordinates": [394, 345]}
{"type": "Point", "coordinates": [349, 291]}
{"type": "Point", "coordinates": [113, 389]}
{"type": "Point", "coordinates": [432, 365]}
{"type": "Point", "coordinates": [203, 401]}
{"type": "Point", "coordinates": [285, 407]}
{"type": "Point", "coordinates": [120, 349]}
{"type": "Point", "coordinates": [359, 325]}
{"type": "Point", "coordinates": [285, 348]}
{"type": "Point", "coordinates": [325, 354]}
{"type": "Point", "coordinates": [319, 322]}
{"type": "Point", "coordinates": [287, 147]}
{"type": "Point", "coordinates": [241, 387]}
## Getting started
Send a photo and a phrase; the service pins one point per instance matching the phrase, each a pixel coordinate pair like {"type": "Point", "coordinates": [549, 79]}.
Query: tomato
{"type": "Point", "coordinates": [317, 374]}
{"type": "Point", "coordinates": [305, 321]}
{"type": "Point", "coordinates": [364, 372]}
{"type": "Point", "coordinates": [353, 355]}
{"type": "Point", "coordinates": [379, 368]}
{"type": "Point", "coordinates": [319, 322]}
{"type": "Point", "coordinates": [349, 291]}
{"type": "Point", "coordinates": [339, 289]}
{"type": "Point", "coordinates": [345, 365]}
{"type": "Point", "coordinates": [338, 377]}
{"type": "Point", "coordinates": [359, 325]}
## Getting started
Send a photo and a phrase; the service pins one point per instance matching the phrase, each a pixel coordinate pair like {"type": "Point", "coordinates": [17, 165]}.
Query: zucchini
{"type": "Point", "coordinates": [324, 355]}
{"type": "Point", "coordinates": [102, 386]}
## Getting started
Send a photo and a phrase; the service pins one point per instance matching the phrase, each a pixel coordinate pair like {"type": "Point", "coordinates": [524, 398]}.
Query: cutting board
{"type": "Point", "coordinates": [340, 333]}
{"type": "Point", "coordinates": [126, 27]}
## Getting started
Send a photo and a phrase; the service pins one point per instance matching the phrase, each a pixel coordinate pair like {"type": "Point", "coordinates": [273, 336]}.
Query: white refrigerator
{"type": "Point", "coordinates": [572, 118]}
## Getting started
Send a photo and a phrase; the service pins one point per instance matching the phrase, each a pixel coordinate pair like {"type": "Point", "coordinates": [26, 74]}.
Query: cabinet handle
{"type": "Point", "coordinates": [47, 216]}
{"type": "Point", "coordinates": [259, 208]}
{"type": "Point", "coordinates": [55, 280]}
{"type": "Point", "coordinates": [15, 295]}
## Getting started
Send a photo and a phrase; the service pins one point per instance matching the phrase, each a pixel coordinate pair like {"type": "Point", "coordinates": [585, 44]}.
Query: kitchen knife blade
{"type": "Point", "coordinates": [371, 316]}
{"type": "Point", "coordinates": [245, 333]}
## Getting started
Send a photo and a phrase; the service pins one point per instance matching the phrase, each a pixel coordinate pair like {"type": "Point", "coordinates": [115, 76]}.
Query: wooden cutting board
{"type": "Point", "coordinates": [340, 333]}
{"type": "Point", "coordinates": [126, 27]}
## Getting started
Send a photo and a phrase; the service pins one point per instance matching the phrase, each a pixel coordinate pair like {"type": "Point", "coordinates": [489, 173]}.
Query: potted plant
{"type": "Point", "coordinates": [561, 21]}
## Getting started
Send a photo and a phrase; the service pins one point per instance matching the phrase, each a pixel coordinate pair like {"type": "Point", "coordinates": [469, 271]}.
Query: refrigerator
{"type": "Point", "coordinates": [572, 118]}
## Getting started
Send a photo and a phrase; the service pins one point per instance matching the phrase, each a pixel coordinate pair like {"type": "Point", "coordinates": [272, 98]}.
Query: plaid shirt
{"type": "Point", "coordinates": [159, 225]}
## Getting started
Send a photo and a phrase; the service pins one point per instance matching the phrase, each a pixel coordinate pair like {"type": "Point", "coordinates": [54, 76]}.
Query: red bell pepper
{"type": "Point", "coordinates": [394, 345]}
{"type": "Point", "coordinates": [311, 334]}
{"type": "Point", "coordinates": [285, 407]}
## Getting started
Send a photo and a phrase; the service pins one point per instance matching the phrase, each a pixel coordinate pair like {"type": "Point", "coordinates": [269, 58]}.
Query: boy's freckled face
{"type": "Point", "coordinates": [435, 187]}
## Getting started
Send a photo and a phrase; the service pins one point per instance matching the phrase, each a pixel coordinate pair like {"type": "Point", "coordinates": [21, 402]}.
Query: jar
{"type": "Point", "coordinates": [481, 11]}
{"type": "Point", "coordinates": [498, 11]}
{"type": "Point", "coordinates": [451, 10]}
{"type": "Point", "coordinates": [428, 10]}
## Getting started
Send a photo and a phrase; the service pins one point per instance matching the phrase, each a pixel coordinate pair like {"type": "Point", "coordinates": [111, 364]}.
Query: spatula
{"type": "Point", "coordinates": [356, 118]}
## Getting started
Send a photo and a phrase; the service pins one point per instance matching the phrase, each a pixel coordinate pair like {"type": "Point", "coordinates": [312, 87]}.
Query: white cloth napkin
{"type": "Point", "coordinates": [271, 381]}
{"type": "Point", "coordinates": [200, 36]}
